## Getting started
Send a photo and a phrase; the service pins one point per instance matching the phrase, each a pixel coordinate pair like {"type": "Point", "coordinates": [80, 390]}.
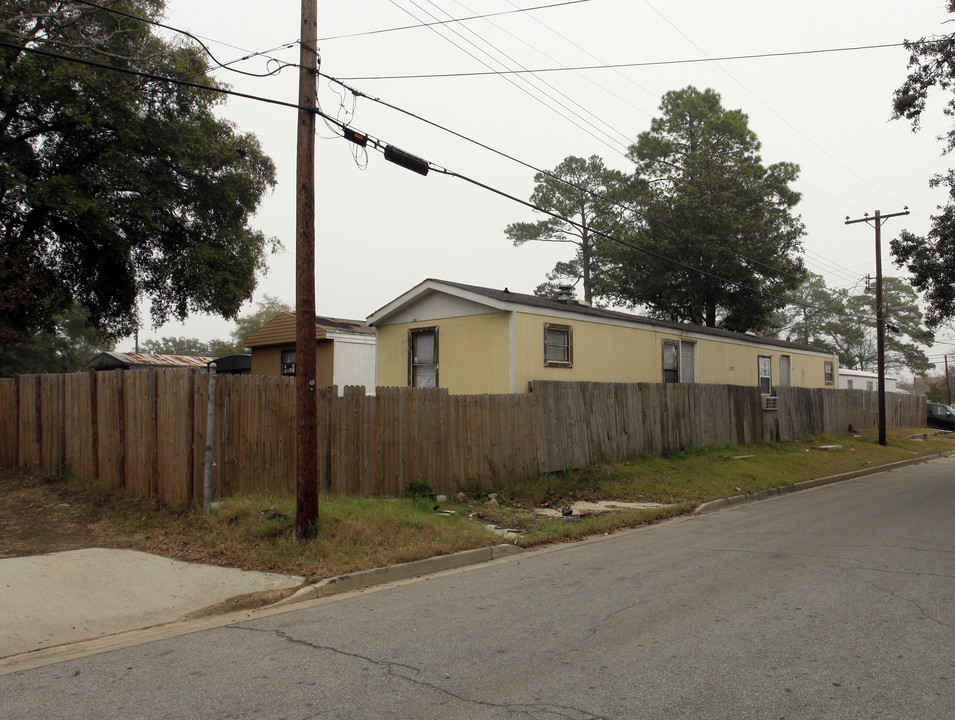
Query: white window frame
{"type": "Point", "coordinates": [764, 362]}
{"type": "Point", "coordinates": [565, 348]}
{"type": "Point", "coordinates": [674, 347]}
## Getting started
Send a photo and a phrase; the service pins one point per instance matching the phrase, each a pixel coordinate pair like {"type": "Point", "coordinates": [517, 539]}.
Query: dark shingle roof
{"type": "Point", "coordinates": [507, 296]}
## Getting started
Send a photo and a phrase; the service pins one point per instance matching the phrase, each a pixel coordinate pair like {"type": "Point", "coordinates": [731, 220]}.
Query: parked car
{"type": "Point", "coordinates": [941, 416]}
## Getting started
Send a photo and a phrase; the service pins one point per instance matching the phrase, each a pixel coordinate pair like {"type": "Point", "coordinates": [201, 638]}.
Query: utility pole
{"type": "Point", "coordinates": [306, 468]}
{"type": "Point", "coordinates": [879, 319]}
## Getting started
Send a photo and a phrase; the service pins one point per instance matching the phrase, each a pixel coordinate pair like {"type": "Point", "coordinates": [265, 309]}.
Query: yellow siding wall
{"type": "Point", "coordinates": [472, 353]}
{"type": "Point", "coordinates": [610, 353]}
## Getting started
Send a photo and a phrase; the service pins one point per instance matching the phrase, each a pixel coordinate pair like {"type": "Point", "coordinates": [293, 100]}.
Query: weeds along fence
{"type": "Point", "coordinates": [144, 431]}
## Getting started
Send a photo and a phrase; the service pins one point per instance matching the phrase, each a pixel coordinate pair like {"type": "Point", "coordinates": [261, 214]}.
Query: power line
{"type": "Point", "coordinates": [156, 23]}
{"type": "Point", "coordinates": [451, 20]}
{"type": "Point", "coordinates": [612, 66]}
{"type": "Point", "coordinates": [583, 49]}
{"type": "Point", "coordinates": [151, 76]}
{"type": "Point", "coordinates": [524, 79]}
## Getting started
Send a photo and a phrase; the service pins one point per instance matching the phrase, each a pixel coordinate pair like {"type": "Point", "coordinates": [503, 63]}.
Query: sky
{"type": "Point", "coordinates": [380, 229]}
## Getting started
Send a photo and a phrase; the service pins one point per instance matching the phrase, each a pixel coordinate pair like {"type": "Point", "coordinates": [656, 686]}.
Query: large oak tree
{"type": "Point", "coordinates": [116, 187]}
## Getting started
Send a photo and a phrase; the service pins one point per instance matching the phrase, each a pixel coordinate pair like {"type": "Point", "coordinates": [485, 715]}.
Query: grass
{"type": "Point", "coordinates": [256, 532]}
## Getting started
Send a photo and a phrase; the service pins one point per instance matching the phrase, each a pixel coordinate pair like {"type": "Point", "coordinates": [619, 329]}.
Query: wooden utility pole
{"type": "Point", "coordinates": [306, 469]}
{"type": "Point", "coordinates": [879, 319]}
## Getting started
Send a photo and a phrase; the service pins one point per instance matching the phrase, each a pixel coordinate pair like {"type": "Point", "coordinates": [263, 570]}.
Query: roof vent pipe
{"type": "Point", "coordinates": [565, 293]}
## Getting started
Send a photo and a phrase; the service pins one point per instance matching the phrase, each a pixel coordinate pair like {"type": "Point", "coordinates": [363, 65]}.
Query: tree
{"type": "Point", "coordinates": [814, 316]}
{"type": "Point", "coordinates": [115, 187]}
{"type": "Point", "coordinates": [713, 206]}
{"type": "Point", "coordinates": [66, 348]}
{"type": "Point", "coordinates": [266, 309]}
{"type": "Point", "coordinates": [854, 336]}
{"type": "Point", "coordinates": [245, 325]}
{"type": "Point", "coordinates": [931, 259]}
{"type": "Point", "coordinates": [587, 197]}
{"type": "Point", "coordinates": [188, 346]}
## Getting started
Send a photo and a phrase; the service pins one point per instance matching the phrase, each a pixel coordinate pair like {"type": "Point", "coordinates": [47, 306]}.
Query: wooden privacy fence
{"type": "Point", "coordinates": [144, 431]}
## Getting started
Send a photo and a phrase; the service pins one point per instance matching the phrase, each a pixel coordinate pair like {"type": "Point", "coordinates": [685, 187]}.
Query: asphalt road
{"type": "Point", "coordinates": [837, 602]}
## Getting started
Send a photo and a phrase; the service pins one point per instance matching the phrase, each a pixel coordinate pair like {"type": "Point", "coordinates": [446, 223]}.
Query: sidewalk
{"type": "Point", "coordinates": [66, 597]}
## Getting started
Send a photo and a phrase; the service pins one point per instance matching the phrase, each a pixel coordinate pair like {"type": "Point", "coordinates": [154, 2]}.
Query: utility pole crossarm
{"type": "Point", "coordinates": [877, 216]}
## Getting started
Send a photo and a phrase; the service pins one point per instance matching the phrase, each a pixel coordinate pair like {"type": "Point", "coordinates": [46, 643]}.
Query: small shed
{"type": "Point", "coordinates": [237, 364]}
{"type": "Point", "coordinates": [111, 360]}
{"type": "Point", "coordinates": [344, 350]}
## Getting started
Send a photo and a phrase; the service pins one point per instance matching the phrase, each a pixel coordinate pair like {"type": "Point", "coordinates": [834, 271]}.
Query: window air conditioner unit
{"type": "Point", "coordinates": [770, 402]}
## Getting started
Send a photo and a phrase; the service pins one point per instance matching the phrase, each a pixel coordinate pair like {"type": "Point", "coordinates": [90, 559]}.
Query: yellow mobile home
{"type": "Point", "coordinates": [476, 340]}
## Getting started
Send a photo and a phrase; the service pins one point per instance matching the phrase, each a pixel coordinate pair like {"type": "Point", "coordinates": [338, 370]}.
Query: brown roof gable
{"type": "Point", "coordinates": [280, 330]}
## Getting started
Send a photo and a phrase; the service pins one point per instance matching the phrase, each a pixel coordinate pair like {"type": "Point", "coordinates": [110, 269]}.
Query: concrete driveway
{"type": "Point", "coordinates": [67, 597]}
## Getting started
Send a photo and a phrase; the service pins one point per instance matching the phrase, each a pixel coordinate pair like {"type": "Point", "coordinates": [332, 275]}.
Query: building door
{"type": "Point", "coordinates": [423, 358]}
{"type": "Point", "coordinates": [785, 371]}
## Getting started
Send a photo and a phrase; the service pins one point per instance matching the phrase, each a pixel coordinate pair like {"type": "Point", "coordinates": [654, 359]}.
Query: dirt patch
{"type": "Point", "coordinates": [36, 518]}
{"type": "Point", "coordinates": [583, 508]}
{"type": "Point", "coordinates": [248, 601]}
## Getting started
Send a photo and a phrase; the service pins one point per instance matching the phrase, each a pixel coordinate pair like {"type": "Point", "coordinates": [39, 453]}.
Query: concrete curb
{"type": "Point", "coordinates": [393, 573]}
{"type": "Point", "coordinates": [714, 505]}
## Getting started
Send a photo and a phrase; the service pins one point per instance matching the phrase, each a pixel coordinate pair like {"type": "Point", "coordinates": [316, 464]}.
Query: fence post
{"type": "Point", "coordinates": [123, 440]}
{"type": "Point", "coordinates": [94, 420]}
{"type": "Point", "coordinates": [210, 422]}
{"type": "Point", "coordinates": [61, 424]}
{"type": "Point", "coordinates": [18, 458]}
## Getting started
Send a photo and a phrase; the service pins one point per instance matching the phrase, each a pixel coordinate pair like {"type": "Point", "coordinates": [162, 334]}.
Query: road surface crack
{"type": "Point", "coordinates": [533, 710]}
{"type": "Point", "coordinates": [925, 613]}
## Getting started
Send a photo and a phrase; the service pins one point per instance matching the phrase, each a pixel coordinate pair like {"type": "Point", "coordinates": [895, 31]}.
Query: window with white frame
{"type": "Point", "coordinates": [829, 372]}
{"type": "Point", "coordinates": [679, 361]}
{"type": "Point", "coordinates": [558, 345]}
{"type": "Point", "coordinates": [671, 361]}
{"type": "Point", "coordinates": [765, 375]}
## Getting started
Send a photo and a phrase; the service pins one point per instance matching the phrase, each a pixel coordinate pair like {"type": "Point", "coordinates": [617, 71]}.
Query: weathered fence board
{"type": "Point", "coordinates": [145, 430]}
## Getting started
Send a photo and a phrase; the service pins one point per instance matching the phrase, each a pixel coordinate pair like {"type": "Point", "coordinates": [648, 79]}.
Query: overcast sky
{"type": "Point", "coordinates": [380, 229]}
